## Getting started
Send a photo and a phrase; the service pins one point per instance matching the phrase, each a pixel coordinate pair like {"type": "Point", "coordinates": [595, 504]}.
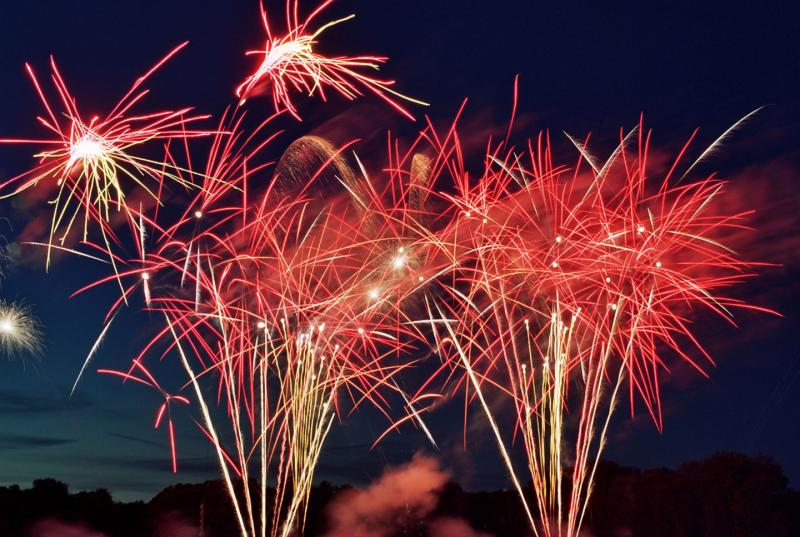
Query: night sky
{"type": "Point", "coordinates": [581, 69]}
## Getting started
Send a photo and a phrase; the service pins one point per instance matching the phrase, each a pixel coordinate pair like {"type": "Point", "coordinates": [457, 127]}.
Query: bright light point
{"type": "Point", "coordinates": [198, 214]}
{"type": "Point", "coordinates": [87, 147]}
{"type": "Point", "coordinates": [613, 307]}
{"type": "Point", "coordinates": [420, 278]}
{"type": "Point", "coordinates": [640, 229]}
{"type": "Point", "coordinates": [559, 239]}
{"type": "Point", "coordinates": [485, 221]}
{"type": "Point", "coordinates": [145, 276]}
{"type": "Point", "coordinates": [401, 250]}
{"type": "Point", "coordinates": [261, 324]}
{"type": "Point", "coordinates": [658, 264]}
{"type": "Point", "coordinates": [468, 214]}
{"type": "Point", "coordinates": [360, 330]}
{"type": "Point", "coordinates": [6, 326]}
{"type": "Point", "coordinates": [399, 261]}
{"type": "Point", "coordinates": [374, 294]}
{"type": "Point", "coordinates": [608, 280]}
{"type": "Point", "coordinates": [555, 264]}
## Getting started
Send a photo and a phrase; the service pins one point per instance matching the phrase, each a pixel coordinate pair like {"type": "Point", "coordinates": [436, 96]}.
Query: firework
{"type": "Point", "coordinates": [552, 287]}
{"type": "Point", "coordinates": [563, 283]}
{"type": "Point", "coordinates": [285, 330]}
{"type": "Point", "coordinates": [286, 302]}
{"type": "Point", "coordinates": [95, 163]}
{"type": "Point", "coordinates": [20, 331]}
{"type": "Point", "coordinates": [290, 62]}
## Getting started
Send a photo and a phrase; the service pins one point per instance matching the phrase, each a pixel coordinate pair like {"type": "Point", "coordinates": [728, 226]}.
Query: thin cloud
{"type": "Point", "coordinates": [18, 402]}
{"type": "Point", "coordinates": [17, 441]}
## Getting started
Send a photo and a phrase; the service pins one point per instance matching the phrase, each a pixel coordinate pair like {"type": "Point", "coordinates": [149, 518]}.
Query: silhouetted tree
{"type": "Point", "coordinates": [729, 494]}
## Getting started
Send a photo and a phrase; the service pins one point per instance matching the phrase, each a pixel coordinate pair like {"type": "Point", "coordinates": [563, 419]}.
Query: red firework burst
{"type": "Point", "coordinates": [94, 163]}
{"type": "Point", "coordinates": [290, 62]}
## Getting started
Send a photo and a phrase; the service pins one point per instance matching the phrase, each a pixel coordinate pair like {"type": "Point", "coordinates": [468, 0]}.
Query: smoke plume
{"type": "Point", "coordinates": [402, 495]}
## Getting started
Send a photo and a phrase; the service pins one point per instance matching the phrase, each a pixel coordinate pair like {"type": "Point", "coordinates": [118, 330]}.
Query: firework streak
{"type": "Point", "coordinates": [92, 163]}
{"type": "Point", "coordinates": [291, 300]}
{"type": "Point", "coordinates": [554, 287]}
{"type": "Point", "coordinates": [557, 284]}
{"type": "Point", "coordinates": [288, 303]}
{"type": "Point", "coordinates": [291, 62]}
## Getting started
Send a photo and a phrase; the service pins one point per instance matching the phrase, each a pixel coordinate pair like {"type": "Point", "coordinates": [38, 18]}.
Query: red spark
{"type": "Point", "coordinates": [290, 62]}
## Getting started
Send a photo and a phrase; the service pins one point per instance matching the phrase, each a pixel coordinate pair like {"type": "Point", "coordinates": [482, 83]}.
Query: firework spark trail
{"type": "Point", "coordinates": [304, 333]}
{"type": "Point", "coordinates": [548, 282]}
{"type": "Point", "coordinates": [605, 266]}
{"type": "Point", "coordinates": [94, 163]}
{"type": "Point", "coordinates": [550, 285]}
{"type": "Point", "coordinates": [89, 165]}
{"type": "Point", "coordinates": [98, 342]}
{"type": "Point", "coordinates": [290, 62]}
{"type": "Point", "coordinates": [146, 378]}
{"type": "Point", "coordinates": [292, 309]}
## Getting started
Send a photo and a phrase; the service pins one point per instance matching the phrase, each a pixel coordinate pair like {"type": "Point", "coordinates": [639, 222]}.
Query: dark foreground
{"type": "Point", "coordinates": [728, 495]}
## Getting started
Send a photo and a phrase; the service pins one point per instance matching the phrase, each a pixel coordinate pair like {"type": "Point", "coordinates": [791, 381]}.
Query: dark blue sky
{"type": "Point", "coordinates": [582, 68]}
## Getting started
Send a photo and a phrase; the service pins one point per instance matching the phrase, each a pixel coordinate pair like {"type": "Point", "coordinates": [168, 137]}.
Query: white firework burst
{"type": "Point", "coordinates": [20, 331]}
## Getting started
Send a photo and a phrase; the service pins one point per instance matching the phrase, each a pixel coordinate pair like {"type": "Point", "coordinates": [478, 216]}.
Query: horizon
{"type": "Point", "coordinates": [452, 480]}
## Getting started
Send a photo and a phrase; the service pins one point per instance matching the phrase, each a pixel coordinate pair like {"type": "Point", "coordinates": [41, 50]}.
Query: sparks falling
{"type": "Point", "coordinates": [559, 287]}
